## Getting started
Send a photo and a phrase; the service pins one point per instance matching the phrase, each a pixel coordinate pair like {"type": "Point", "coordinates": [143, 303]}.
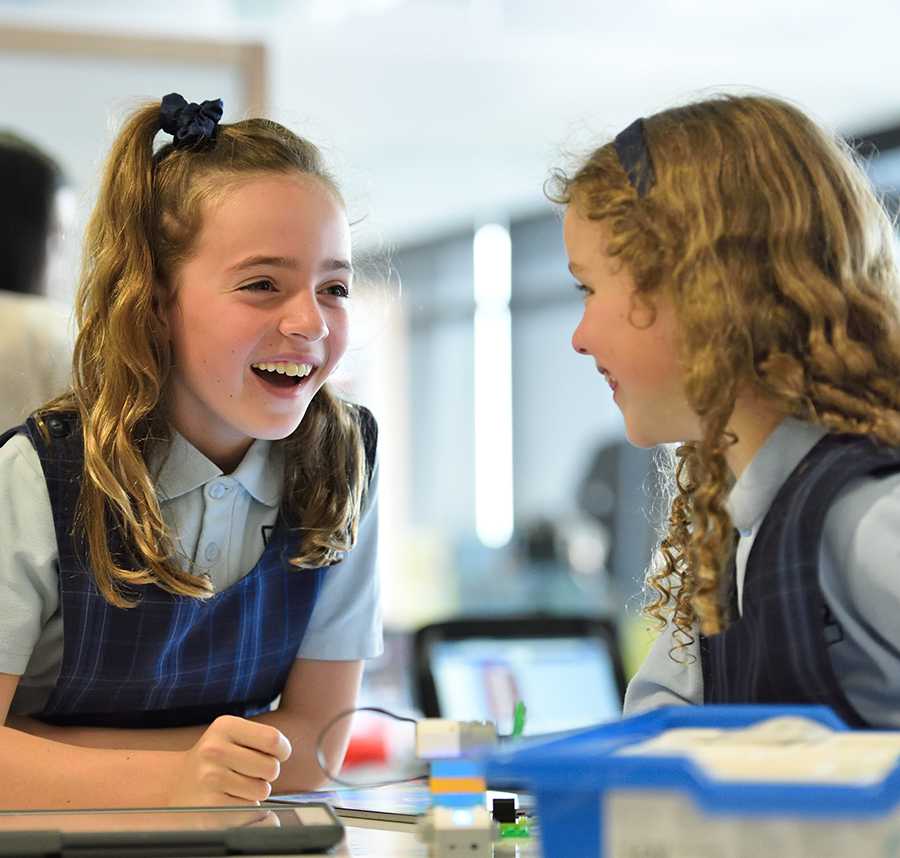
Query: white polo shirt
{"type": "Point", "coordinates": [217, 521]}
{"type": "Point", "coordinates": [859, 573]}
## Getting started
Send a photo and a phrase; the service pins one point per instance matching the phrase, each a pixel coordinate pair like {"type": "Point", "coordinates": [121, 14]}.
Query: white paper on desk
{"type": "Point", "coordinates": [396, 803]}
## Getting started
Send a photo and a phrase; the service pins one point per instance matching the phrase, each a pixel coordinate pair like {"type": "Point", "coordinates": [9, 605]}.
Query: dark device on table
{"type": "Point", "coordinates": [270, 830]}
{"type": "Point", "coordinates": [566, 669]}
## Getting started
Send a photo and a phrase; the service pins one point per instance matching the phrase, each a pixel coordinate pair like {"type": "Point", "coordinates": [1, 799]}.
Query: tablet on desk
{"type": "Point", "coordinates": [567, 671]}
{"type": "Point", "coordinates": [271, 830]}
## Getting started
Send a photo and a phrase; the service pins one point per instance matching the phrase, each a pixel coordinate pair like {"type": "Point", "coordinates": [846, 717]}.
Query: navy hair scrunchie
{"type": "Point", "coordinates": [191, 125]}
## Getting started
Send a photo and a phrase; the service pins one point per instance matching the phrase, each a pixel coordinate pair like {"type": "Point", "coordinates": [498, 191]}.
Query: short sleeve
{"type": "Point", "coordinates": [663, 681]}
{"type": "Point", "coordinates": [29, 593]}
{"type": "Point", "coordinates": [346, 622]}
{"type": "Point", "coordinates": [860, 579]}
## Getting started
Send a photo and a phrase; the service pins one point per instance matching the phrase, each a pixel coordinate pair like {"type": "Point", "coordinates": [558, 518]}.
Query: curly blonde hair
{"type": "Point", "coordinates": [779, 259]}
{"type": "Point", "coordinates": [143, 227]}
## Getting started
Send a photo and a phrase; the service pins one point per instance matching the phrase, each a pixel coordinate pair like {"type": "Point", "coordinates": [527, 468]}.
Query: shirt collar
{"type": "Point", "coordinates": [261, 470]}
{"type": "Point", "coordinates": [753, 493]}
{"type": "Point", "coordinates": [183, 468]}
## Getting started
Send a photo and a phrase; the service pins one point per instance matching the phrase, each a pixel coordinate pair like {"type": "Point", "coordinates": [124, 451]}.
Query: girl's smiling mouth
{"type": "Point", "coordinates": [609, 379]}
{"type": "Point", "coordinates": [282, 376]}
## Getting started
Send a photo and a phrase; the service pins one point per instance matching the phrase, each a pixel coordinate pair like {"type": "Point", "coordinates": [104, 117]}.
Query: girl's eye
{"type": "Point", "coordinates": [339, 290]}
{"type": "Point", "coordinates": [585, 290]}
{"type": "Point", "coordinates": [259, 286]}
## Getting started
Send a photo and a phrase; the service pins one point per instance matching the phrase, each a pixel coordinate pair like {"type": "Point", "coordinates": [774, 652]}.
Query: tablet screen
{"type": "Point", "coordinates": [566, 682]}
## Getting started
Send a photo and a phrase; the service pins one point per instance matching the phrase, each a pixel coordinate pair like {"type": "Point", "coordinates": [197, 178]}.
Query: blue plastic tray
{"type": "Point", "coordinates": [568, 776]}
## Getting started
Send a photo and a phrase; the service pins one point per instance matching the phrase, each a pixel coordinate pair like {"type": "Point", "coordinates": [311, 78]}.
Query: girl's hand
{"type": "Point", "coordinates": [234, 762]}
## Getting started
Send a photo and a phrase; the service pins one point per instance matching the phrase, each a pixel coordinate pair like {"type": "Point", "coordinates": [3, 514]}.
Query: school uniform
{"type": "Point", "coordinates": [816, 587]}
{"type": "Point", "coordinates": [170, 660]}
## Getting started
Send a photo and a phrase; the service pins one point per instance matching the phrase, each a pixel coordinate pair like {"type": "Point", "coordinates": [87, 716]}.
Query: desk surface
{"type": "Point", "coordinates": [379, 838]}
{"type": "Point", "coordinates": [363, 840]}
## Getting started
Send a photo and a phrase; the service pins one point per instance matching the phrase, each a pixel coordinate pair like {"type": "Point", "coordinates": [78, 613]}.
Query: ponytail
{"type": "Point", "coordinates": [121, 362]}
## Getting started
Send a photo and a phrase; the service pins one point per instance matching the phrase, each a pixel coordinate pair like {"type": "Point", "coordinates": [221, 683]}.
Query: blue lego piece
{"type": "Point", "coordinates": [457, 768]}
{"type": "Point", "coordinates": [457, 799]}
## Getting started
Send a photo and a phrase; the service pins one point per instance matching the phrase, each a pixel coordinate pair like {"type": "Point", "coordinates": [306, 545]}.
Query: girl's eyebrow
{"type": "Point", "coordinates": [260, 259]}
{"type": "Point", "coordinates": [337, 265]}
{"type": "Point", "coordinates": [327, 265]}
{"type": "Point", "coordinates": [574, 268]}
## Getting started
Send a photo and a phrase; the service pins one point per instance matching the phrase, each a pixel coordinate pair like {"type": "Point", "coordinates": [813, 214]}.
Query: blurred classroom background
{"type": "Point", "coordinates": [506, 486]}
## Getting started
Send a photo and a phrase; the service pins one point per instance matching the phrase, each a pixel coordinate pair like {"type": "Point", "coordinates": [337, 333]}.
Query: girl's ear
{"type": "Point", "coordinates": [642, 312]}
{"type": "Point", "coordinates": [164, 304]}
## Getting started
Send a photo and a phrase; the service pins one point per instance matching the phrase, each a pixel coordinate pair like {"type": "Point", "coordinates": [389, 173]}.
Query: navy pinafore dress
{"type": "Point", "coordinates": [169, 660]}
{"type": "Point", "coordinates": [776, 650]}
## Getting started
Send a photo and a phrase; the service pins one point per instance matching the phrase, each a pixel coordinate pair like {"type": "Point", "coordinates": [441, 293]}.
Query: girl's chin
{"type": "Point", "coordinates": [645, 438]}
{"type": "Point", "coordinates": [277, 429]}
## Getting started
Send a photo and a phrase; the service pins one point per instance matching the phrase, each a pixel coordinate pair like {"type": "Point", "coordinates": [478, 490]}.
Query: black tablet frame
{"type": "Point", "coordinates": [537, 626]}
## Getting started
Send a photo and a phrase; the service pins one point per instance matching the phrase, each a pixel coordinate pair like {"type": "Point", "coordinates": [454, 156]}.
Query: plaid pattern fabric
{"type": "Point", "coordinates": [777, 650]}
{"type": "Point", "coordinates": [170, 660]}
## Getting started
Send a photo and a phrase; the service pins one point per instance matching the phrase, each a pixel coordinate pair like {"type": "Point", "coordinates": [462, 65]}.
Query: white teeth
{"type": "Point", "coordinates": [286, 368]}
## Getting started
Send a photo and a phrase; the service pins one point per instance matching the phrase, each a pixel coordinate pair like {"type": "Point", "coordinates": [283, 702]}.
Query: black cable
{"type": "Point", "coordinates": [320, 754]}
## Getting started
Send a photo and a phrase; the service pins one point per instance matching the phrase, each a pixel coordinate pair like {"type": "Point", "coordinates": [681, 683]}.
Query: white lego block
{"type": "Point", "coordinates": [475, 818]}
{"type": "Point", "coordinates": [437, 738]}
{"type": "Point", "coordinates": [469, 831]}
{"type": "Point", "coordinates": [477, 736]}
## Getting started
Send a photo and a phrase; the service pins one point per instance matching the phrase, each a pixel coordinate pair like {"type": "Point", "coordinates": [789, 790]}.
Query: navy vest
{"type": "Point", "coordinates": [170, 660]}
{"type": "Point", "coordinates": [776, 651]}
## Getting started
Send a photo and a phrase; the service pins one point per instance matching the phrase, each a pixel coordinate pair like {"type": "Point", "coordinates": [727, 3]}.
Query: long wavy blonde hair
{"type": "Point", "coordinates": [779, 258]}
{"type": "Point", "coordinates": [142, 229]}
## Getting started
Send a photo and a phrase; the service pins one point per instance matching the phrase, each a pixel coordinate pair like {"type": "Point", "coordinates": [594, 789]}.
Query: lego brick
{"type": "Point", "coordinates": [456, 832]}
{"type": "Point", "coordinates": [457, 799]}
{"type": "Point", "coordinates": [504, 809]}
{"type": "Point", "coordinates": [457, 785]}
{"type": "Point", "coordinates": [477, 737]}
{"type": "Point", "coordinates": [474, 819]}
{"type": "Point", "coordinates": [437, 738]}
{"type": "Point", "coordinates": [458, 768]}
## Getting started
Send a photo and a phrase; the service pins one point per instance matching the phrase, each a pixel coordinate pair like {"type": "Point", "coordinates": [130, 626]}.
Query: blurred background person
{"type": "Point", "coordinates": [35, 345]}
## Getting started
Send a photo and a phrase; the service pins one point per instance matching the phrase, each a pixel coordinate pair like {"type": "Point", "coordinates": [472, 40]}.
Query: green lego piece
{"type": "Point", "coordinates": [518, 719]}
{"type": "Point", "coordinates": [519, 828]}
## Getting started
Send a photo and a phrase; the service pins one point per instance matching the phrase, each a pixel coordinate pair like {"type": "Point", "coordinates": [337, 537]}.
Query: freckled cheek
{"type": "Point", "coordinates": [206, 369]}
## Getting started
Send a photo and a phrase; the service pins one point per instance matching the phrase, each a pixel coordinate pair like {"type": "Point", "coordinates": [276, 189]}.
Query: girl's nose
{"type": "Point", "coordinates": [303, 318]}
{"type": "Point", "coordinates": [577, 343]}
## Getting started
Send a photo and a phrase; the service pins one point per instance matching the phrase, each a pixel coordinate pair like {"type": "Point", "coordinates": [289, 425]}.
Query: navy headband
{"type": "Point", "coordinates": [191, 125]}
{"type": "Point", "coordinates": [631, 147]}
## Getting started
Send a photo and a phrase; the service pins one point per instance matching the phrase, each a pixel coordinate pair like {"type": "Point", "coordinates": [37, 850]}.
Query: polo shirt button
{"type": "Point", "coordinates": [216, 490]}
{"type": "Point", "coordinates": [212, 552]}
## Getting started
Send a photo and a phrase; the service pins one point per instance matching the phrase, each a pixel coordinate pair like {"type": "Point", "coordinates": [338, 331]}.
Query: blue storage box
{"type": "Point", "coordinates": [597, 798]}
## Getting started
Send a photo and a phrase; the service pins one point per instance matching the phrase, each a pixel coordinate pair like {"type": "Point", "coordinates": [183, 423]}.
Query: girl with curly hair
{"type": "Point", "coordinates": [187, 535]}
{"type": "Point", "coordinates": [741, 300]}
